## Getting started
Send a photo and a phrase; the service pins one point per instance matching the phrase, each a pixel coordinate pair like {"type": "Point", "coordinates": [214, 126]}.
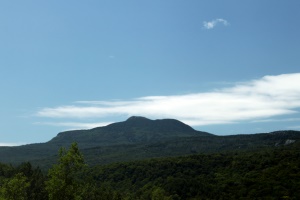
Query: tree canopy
{"type": "Point", "coordinates": [64, 182]}
{"type": "Point", "coordinates": [272, 173]}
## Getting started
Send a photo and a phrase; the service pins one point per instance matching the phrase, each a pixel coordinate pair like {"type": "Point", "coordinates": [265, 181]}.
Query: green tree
{"type": "Point", "coordinates": [159, 194]}
{"type": "Point", "coordinates": [36, 178]}
{"type": "Point", "coordinates": [15, 188]}
{"type": "Point", "coordinates": [64, 181]}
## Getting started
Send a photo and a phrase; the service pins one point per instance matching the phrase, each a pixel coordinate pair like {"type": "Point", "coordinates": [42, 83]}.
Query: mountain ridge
{"type": "Point", "coordinates": [140, 138]}
{"type": "Point", "coordinates": [135, 129]}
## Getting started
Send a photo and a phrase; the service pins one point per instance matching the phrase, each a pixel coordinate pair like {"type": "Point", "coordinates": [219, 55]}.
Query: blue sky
{"type": "Point", "coordinates": [225, 67]}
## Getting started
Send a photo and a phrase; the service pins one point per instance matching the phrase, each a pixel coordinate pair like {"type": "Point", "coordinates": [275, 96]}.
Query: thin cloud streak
{"type": "Point", "coordinates": [259, 99]}
{"type": "Point", "coordinates": [74, 125]}
{"type": "Point", "coordinates": [276, 120]}
{"type": "Point", "coordinates": [10, 144]}
{"type": "Point", "coordinates": [212, 24]}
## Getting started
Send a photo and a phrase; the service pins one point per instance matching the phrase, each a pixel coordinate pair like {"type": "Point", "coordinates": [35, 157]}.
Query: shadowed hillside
{"type": "Point", "coordinates": [133, 130]}
{"type": "Point", "coordinates": [139, 138]}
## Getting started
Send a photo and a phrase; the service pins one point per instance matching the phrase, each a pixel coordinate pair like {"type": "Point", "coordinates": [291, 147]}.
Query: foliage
{"type": "Point", "coordinates": [265, 174]}
{"type": "Point", "coordinates": [139, 138]}
{"type": "Point", "coordinates": [15, 188]}
{"type": "Point", "coordinates": [272, 173]}
{"type": "Point", "coordinates": [113, 149]}
{"type": "Point", "coordinates": [64, 182]}
{"type": "Point", "coordinates": [35, 178]}
{"type": "Point", "coordinates": [22, 182]}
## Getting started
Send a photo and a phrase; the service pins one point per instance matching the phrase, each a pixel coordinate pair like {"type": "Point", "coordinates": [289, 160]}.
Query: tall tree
{"type": "Point", "coordinates": [15, 188]}
{"type": "Point", "coordinates": [64, 178]}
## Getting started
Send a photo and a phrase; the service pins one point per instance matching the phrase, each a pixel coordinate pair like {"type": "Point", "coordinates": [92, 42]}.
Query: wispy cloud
{"type": "Point", "coordinates": [276, 120]}
{"type": "Point", "coordinates": [4, 144]}
{"type": "Point", "coordinates": [258, 99]}
{"type": "Point", "coordinates": [213, 23]}
{"type": "Point", "coordinates": [74, 125]}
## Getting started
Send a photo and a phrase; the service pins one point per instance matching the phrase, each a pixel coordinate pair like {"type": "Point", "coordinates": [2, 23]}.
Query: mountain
{"type": "Point", "coordinates": [132, 131]}
{"type": "Point", "coordinates": [191, 145]}
{"type": "Point", "coordinates": [140, 138]}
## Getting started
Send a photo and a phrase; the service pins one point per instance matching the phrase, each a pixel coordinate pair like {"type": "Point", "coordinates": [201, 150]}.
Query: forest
{"type": "Point", "coordinates": [270, 173]}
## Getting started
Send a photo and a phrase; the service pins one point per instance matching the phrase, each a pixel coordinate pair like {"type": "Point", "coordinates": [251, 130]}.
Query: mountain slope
{"type": "Point", "coordinates": [264, 174]}
{"type": "Point", "coordinates": [133, 130]}
{"type": "Point", "coordinates": [44, 155]}
{"type": "Point", "coordinates": [140, 138]}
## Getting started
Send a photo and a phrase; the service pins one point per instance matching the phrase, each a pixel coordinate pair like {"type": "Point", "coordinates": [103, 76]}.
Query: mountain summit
{"type": "Point", "coordinates": [135, 129]}
{"type": "Point", "coordinates": [163, 126]}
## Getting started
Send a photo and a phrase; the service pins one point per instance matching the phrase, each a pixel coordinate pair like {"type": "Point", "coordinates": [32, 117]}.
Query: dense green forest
{"type": "Point", "coordinates": [271, 173]}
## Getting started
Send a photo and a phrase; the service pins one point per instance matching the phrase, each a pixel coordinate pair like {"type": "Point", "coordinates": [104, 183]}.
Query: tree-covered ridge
{"type": "Point", "coordinates": [133, 130]}
{"type": "Point", "coordinates": [272, 173]}
{"type": "Point", "coordinates": [44, 154]}
{"type": "Point", "coordinates": [265, 174]}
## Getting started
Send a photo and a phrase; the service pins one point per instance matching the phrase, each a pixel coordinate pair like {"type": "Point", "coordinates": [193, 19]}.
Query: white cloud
{"type": "Point", "coordinates": [258, 99]}
{"type": "Point", "coordinates": [276, 120]}
{"type": "Point", "coordinates": [75, 125]}
{"type": "Point", "coordinates": [213, 23]}
{"type": "Point", "coordinates": [3, 144]}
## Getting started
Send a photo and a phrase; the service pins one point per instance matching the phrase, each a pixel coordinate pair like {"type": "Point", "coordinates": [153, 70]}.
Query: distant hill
{"type": "Point", "coordinates": [132, 131]}
{"type": "Point", "coordinates": [140, 138]}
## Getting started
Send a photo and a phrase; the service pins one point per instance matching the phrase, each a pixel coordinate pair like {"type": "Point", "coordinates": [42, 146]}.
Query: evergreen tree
{"type": "Point", "coordinates": [15, 188]}
{"type": "Point", "coordinates": [64, 178]}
